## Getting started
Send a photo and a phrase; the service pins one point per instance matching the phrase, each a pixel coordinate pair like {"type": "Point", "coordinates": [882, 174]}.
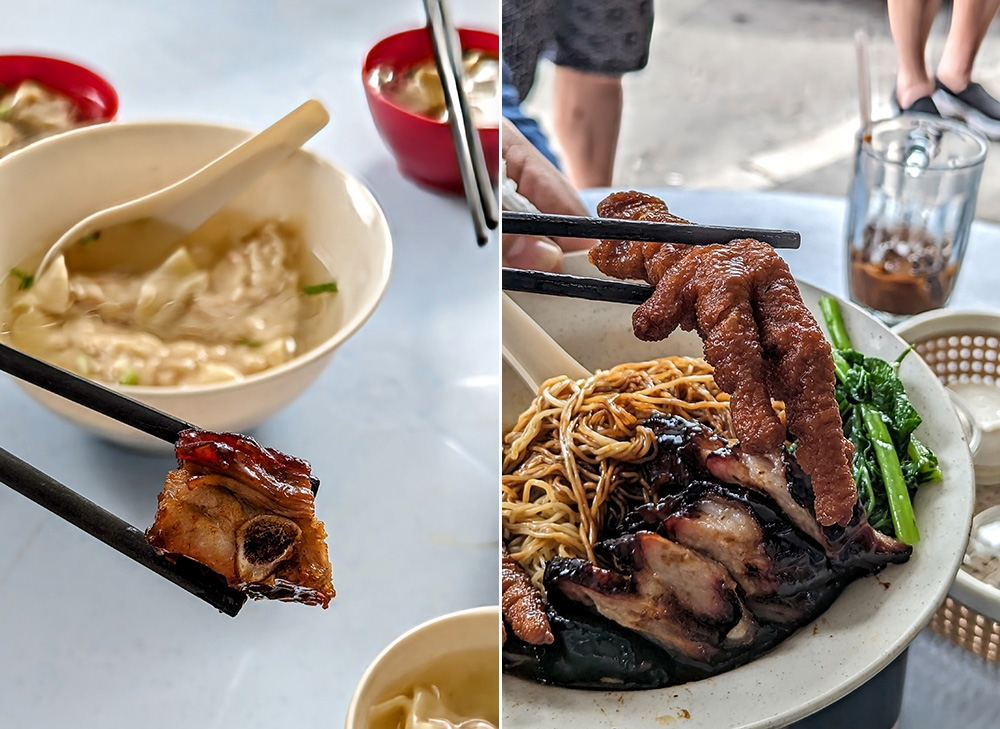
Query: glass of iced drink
{"type": "Point", "coordinates": [910, 208]}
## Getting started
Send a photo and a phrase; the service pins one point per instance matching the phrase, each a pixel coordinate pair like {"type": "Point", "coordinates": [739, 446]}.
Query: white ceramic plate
{"type": "Point", "coordinates": [866, 628]}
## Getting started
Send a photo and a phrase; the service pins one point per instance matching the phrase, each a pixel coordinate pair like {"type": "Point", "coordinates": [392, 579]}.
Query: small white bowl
{"type": "Point", "coordinates": [49, 186]}
{"type": "Point", "coordinates": [474, 629]}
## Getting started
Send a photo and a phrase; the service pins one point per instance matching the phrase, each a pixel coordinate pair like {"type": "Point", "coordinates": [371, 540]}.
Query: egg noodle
{"type": "Point", "coordinates": [573, 457]}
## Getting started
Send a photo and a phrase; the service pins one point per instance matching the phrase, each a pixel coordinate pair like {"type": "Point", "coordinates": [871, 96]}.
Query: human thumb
{"type": "Point", "coordinates": [539, 254]}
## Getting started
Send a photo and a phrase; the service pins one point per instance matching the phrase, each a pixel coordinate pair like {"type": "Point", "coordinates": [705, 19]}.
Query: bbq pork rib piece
{"type": "Point", "coordinates": [246, 512]}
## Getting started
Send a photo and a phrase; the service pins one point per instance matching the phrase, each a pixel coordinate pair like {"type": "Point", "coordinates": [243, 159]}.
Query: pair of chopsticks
{"type": "Point", "coordinates": [85, 514]}
{"type": "Point", "coordinates": [623, 292]}
{"type": "Point", "coordinates": [479, 193]}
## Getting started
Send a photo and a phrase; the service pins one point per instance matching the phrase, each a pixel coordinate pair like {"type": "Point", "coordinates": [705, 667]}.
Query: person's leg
{"type": "Point", "coordinates": [957, 95]}
{"type": "Point", "coordinates": [910, 22]}
{"type": "Point", "coordinates": [586, 117]}
{"type": "Point", "coordinates": [597, 41]}
{"type": "Point", "coordinates": [970, 19]}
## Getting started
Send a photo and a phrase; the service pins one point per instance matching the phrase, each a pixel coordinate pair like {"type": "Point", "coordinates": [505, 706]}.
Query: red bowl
{"type": "Point", "coordinates": [94, 97]}
{"type": "Point", "coordinates": [423, 148]}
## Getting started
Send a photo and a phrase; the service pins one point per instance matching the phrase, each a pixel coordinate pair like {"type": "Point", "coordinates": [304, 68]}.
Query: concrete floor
{"type": "Point", "coordinates": [762, 94]}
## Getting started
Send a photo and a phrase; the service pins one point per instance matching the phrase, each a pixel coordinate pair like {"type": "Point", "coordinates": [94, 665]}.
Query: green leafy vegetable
{"type": "Point", "coordinates": [323, 288]}
{"type": "Point", "coordinates": [889, 463]}
{"type": "Point", "coordinates": [26, 278]}
{"type": "Point", "coordinates": [900, 506]}
{"type": "Point", "coordinates": [834, 323]}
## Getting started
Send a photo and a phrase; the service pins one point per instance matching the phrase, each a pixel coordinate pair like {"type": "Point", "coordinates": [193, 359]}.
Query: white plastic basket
{"type": "Point", "coordinates": [963, 349]}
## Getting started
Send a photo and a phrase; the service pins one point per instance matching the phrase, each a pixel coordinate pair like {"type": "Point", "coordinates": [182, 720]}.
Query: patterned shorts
{"type": "Point", "coordinates": [595, 36]}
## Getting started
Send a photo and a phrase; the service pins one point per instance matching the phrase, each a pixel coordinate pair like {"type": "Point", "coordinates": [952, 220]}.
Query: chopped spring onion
{"type": "Point", "coordinates": [323, 288]}
{"type": "Point", "coordinates": [26, 278]}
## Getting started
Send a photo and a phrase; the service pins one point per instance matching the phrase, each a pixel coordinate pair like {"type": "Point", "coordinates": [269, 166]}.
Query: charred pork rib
{"type": "Point", "coordinates": [728, 560]}
{"type": "Point", "coordinates": [247, 513]}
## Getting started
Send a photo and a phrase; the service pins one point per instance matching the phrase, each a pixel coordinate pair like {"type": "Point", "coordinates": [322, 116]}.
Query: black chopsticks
{"type": "Point", "coordinates": [569, 226]}
{"type": "Point", "coordinates": [91, 518]}
{"type": "Point", "coordinates": [479, 193]}
{"type": "Point", "coordinates": [117, 533]}
{"type": "Point", "coordinates": [576, 287]}
{"type": "Point", "coordinates": [91, 395]}
{"type": "Point", "coordinates": [96, 397]}
{"type": "Point", "coordinates": [84, 514]}
{"type": "Point", "coordinates": [613, 290]}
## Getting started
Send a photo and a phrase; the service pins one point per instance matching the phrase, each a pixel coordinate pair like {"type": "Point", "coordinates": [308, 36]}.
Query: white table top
{"type": "Point", "coordinates": [402, 427]}
{"type": "Point", "coordinates": [945, 686]}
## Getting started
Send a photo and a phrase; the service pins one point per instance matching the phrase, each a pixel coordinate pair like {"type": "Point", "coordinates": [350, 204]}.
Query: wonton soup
{"type": "Point", "coordinates": [461, 688]}
{"type": "Point", "coordinates": [418, 88]}
{"type": "Point", "coordinates": [29, 111]}
{"type": "Point", "coordinates": [235, 298]}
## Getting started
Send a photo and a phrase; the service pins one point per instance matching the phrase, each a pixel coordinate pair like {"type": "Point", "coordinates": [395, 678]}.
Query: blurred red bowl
{"type": "Point", "coordinates": [94, 97]}
{"type": "Point", "coordinates": [423, 147]}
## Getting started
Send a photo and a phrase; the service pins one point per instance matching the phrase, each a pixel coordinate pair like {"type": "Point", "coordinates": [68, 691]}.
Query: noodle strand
{"type": "Point", "coordinates": [573, 457]}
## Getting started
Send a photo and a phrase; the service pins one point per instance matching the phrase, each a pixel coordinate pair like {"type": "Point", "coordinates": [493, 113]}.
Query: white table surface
{"type": "Point", "coordinates": [945, 685]}
{"type": "Point", "coordinates": [402, 428]}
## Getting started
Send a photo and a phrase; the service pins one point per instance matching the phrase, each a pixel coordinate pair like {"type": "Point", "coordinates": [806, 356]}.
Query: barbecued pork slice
{"type": "Point", "coordinates": [783, 574]}
{"type": "Point", "coordinates": [247, 513]}
{"type": "Point", "coordinates": [522, 604]}
{"type": "Point", "coordinates": [672, 595]}
{"type": "Point", "coordinates": [688, 451]}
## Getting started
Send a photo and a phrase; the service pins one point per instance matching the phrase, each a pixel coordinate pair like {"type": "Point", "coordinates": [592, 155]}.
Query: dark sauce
{"type": "Point", "coordinates": [901, 270]}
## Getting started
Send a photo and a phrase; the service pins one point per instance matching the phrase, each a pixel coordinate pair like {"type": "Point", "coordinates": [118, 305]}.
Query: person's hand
{"type": "Point", "coordinates": [550, 191]}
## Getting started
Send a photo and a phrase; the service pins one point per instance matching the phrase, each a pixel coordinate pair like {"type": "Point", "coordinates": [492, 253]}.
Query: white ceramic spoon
{"type": "Point", "coordinates": [529, 349]}
{"type": "Point", "coordinates": [185, 205]}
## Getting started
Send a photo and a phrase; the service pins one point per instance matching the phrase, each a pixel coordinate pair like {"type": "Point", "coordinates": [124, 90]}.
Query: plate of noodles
{"type": "Point", "coordinates": [865, 627]}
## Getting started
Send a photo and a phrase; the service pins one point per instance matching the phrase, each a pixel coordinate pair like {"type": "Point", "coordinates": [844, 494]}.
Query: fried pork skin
{"type": "Point", "coordinates": [247, 513]}
{"type": "Point", "coordinates": [758, 335]}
